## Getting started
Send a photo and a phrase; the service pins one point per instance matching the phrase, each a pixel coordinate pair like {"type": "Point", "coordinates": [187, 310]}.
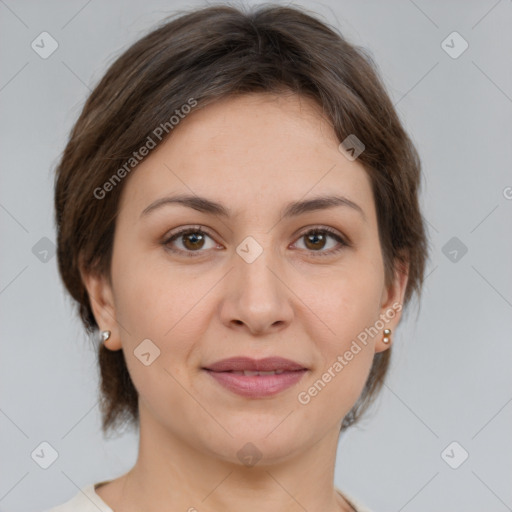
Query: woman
{"type": "Point", "coordinates": [238, 221]}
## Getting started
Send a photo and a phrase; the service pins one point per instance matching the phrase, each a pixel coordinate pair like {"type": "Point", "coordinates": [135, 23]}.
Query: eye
{"type": "Point", "coordinates": [189, 241]}
{"type": "Point", "coordinates": [193, 241]}
{"type": "Point", "coordinates": [316, 240]}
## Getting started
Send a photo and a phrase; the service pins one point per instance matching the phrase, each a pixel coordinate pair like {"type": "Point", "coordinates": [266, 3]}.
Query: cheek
{"type": "Point", "coordinates": [349, 301]}
{"type": "Point", "coordinates": [346, 357]}
{"type": "Point", "coordinates": [150, 299]}
{"type": "Point", "coordinates": [153, 303]}
{"type": "Point", "coordinates": [347, 305]}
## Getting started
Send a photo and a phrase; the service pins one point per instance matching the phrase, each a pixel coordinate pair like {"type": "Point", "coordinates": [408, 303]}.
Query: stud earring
{"type": "Point", "coordinates": [386, 338]}
{"type": "Point", "coordinates": [104, 336]}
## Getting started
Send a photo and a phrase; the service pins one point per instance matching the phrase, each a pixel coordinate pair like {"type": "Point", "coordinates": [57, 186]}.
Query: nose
{"type": "Point", "coordinates": [257, 299]}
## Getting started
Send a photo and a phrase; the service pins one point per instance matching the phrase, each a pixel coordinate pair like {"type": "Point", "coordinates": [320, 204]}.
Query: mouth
{"type": "Point", "coordinates": [250, 373]}
{"type": "Point", "coordinates": [253, 378]}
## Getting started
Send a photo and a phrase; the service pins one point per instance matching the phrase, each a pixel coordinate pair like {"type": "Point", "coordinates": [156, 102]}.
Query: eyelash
{"type": "Point", "coordinates": [200, 229]}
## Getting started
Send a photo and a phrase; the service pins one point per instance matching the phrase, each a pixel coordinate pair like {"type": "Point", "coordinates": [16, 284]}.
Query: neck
{"type": "Point", "coordinates": [170, 471]}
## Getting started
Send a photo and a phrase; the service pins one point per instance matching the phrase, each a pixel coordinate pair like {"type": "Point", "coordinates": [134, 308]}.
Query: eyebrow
{"type": "Point", "coordinates": [293, 209]}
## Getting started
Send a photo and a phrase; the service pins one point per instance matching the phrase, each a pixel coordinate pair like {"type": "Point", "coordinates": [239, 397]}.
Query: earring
{"type": "Point", "coordinates": [104, 336]}
{"type": "Point", "coordinates": [386, 338]}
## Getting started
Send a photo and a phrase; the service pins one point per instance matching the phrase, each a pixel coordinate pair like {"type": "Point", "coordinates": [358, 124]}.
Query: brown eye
{"type": "Point", "coordinates": [193, 241]}
{"type": "Point", "coordinates": [317, 240]}
{"type": "Point", "coordinates": [189, 241]}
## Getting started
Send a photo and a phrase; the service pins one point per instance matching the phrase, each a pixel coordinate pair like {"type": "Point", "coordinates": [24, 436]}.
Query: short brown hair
{"type": "Point", "coordinates": [209, 54]}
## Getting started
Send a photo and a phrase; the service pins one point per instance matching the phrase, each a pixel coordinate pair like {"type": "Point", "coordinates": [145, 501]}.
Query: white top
{"type": "Point", "coordinates": [88, 501]}
{"type": "Point", "coordinates": [85, 501]}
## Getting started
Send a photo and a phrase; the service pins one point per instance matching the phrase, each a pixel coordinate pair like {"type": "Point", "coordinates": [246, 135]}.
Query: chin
{"type": "Point", "coordinates": [264, 444]}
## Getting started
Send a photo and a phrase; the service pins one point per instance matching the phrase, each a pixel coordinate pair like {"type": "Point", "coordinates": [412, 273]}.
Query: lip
{"type": "Point", "coordinates": [268, 364]}
{"type": "Point", "coordinates": [256, 386]}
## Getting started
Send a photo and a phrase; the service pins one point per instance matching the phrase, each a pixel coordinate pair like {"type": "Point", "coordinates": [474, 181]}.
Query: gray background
{"type": "Point", "coordinates": [450, 379]}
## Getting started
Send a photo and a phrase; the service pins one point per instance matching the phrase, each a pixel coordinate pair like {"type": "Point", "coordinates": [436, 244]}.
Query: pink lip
{"type": "Point", "coordinates": [257, 386]}
{"type": "Point", "coordinates": [228, 373]}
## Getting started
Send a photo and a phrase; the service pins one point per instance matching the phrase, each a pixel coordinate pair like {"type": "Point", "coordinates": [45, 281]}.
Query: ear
{"type": "Point", "coordinates": [102, 303]}
{"type": "Point", "coordinates": [392, 303]}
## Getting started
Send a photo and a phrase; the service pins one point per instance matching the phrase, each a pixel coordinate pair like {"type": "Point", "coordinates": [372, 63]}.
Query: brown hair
{"type": "Point", "coordinates": [213, 53]}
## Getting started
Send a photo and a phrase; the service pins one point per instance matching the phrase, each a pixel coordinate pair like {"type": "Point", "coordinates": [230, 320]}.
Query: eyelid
{"type": "Point", "coordinates": [181, 231]}
{"type": "Point", "coordinates": [342, 240]}
{"type": "Point", "coordinates": [332, 231]}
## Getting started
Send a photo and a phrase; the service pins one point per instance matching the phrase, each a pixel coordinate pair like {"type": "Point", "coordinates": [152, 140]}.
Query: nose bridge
{"type": "Point", "coordinates": [253, 263]}
{"type": "Point", "coordinates": [257, 297]}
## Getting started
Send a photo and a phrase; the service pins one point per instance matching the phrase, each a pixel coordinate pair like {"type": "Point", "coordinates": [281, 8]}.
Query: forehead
{"type": "Point", "coordinates": [250, 152]}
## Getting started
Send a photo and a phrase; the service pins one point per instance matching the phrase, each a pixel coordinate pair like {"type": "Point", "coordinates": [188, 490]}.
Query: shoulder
{"type": "Point", "coordinates": [356, 504]}
{"type": "Point", "coordinates": [86, 500]}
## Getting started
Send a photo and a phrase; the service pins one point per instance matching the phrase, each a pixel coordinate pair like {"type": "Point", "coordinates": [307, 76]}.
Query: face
{"type": "Point", "coordinates": [251, 277]}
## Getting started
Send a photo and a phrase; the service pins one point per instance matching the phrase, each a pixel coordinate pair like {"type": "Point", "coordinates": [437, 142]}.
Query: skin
{"type": "Point", "coordinates": [254, 154]}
